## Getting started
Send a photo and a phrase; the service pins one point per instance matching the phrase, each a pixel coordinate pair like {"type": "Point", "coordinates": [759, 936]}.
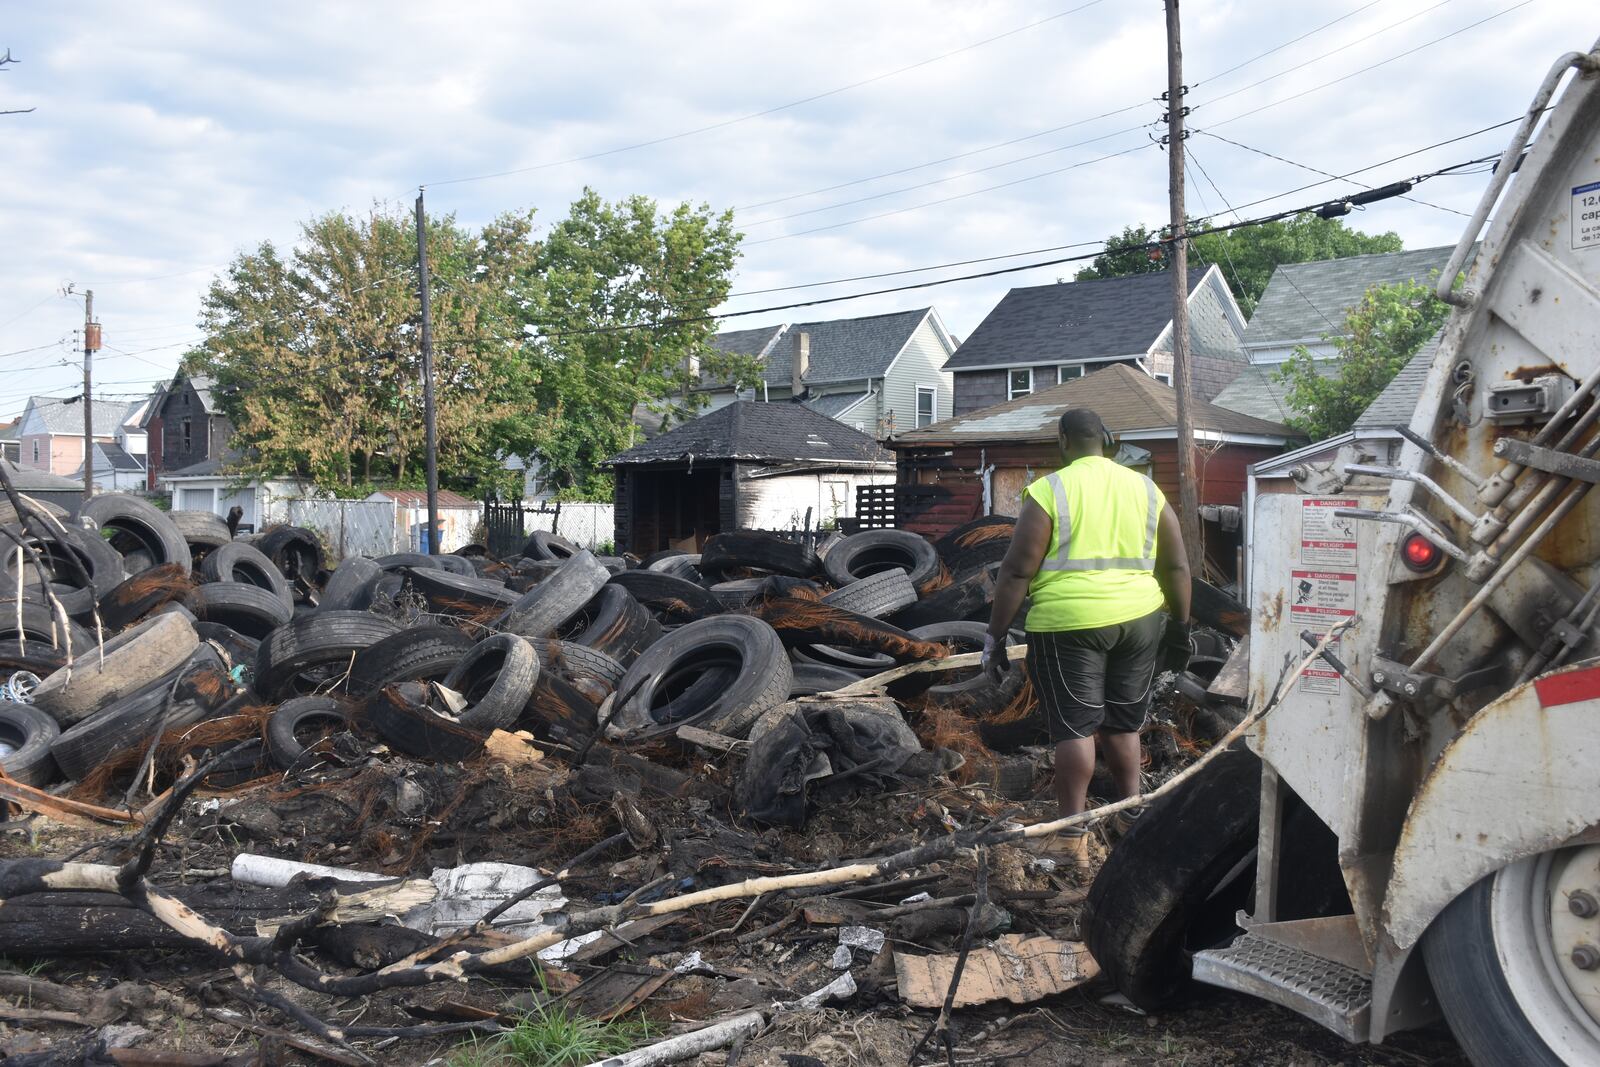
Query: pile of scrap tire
{"type": "Point", "coordinates": [131, 629]}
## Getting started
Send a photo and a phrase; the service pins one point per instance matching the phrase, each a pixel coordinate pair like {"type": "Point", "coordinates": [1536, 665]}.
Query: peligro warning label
{"type": "Point", "coordinates": [1586, 215]}
{"type": "Point", "coordinates": [1327, 539]}
{"type": "Point", "coordinates": [1319, 677]}
{"type": "Point", "coordinates": [1320, 600]}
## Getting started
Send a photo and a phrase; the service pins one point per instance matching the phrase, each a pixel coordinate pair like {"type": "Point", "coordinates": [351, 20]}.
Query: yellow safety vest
{"type": "Point", "coordinates": [1099, 568]}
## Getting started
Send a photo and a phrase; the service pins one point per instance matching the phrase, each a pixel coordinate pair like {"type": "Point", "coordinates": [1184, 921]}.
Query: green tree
{"type": "Point", "coordinates": [1247, 255]}
{"type": "Point", "coordinates": [1383, 332]}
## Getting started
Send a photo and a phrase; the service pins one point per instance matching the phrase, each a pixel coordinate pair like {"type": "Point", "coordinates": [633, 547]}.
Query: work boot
{"type": "Point", "coordinates": [1069, 848]}
{"type": "Point", "coordinates": [1117, 826]}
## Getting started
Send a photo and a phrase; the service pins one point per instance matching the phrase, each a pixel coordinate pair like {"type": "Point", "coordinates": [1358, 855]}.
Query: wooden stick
{"type": "Point", "coordinates": [869, 686]}
{"type": "Point", "coordinates": [37, 800]}
{"type": "Point", "coordinates": [705, 1039]}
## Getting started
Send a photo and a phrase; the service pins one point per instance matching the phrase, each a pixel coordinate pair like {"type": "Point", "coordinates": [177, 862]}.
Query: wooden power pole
{"type": "Point", "coordinates": [1188, 482]}
{"type": "Point", "coordinates": [91, 341]}
{"type": "Point", "coordinates": [430, 541]}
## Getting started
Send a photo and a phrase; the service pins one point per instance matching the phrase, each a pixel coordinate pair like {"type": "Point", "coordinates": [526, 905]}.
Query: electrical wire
{"type": "Point", "coordinates": [1286, 44]}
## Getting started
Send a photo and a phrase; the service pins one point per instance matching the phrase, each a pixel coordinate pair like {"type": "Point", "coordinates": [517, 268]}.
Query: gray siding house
{"type": "Point", "coordinates": [880, 374]}
{"type": "Point", "coordinates": [1043, 335]}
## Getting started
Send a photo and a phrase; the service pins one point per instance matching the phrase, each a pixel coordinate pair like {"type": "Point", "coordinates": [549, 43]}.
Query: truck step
{"type": "Point", "coordinates": [1332, 994]}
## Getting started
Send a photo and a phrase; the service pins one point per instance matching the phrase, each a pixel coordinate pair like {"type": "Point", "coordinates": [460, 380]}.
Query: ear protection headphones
{"type": "Point", "coordinates": [1108, 444]}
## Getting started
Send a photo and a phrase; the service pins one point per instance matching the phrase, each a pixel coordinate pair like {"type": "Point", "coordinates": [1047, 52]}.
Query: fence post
{"type": "Point", "coordinates": [555, 520]}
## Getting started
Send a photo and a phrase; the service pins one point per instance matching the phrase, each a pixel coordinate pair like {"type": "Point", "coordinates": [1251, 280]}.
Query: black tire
{"type": "Point", "coordinates": [658, 556]}
{"type": "Point", "coordinates": [137, 529]}
{"type": "Point", "coordinates": [876, 596]}
{"type": "Point", "coordinates": [130, 661]}
{"type": "Point", "coordinates": [402, 717]}
{"type": "Point", "coordinates": [559, 710]}
{"type": "Point", "coordinates": [674, 600]}
{"type": "Point", "coordinates": [315, 650]}
{"type": "Point", "coordinates": [235, 648]}
{"type": "Point", "coordinates": [142, 594]}
{"type": "Point", "coordinates": [203, 531]}
{"type": "Point", "coordinates": [614, 623]}
{"type": "Point", "coordinates": [969, 596]}
{"type": "Point", "coordinates": [294, 550]}
{"type": "Point", "coordinates": [1464, 966]}
{"type": "Point", "coordinates": [37, 620]}
{"type": "Point", "coordinates": [970, 691]}
{"type": "Point", "coordinates": [92, 554]}
{"type": "Point", "coordinates": [542, 609]}
{"type": "Point", "coordinates": [249, 609]}
{"type": "Point", "coordinates": [350, 586]}
{"type": "Point", "coordinates": [416, 654]}
{"type": "Point", "coordinates": [549, 546]}
{"type": "Point", "coordinates": [979, 557]}
{"type": "Point", "coordinates": [813, 678]}
{"type": "Point", "coordinates": [472, 551]}
{"type": "Point", "coordinates": [398, 561]}
{"type": "Point", "coordinates": [246, 565]}
{"type": "Point", "coordinates": [29, 733]}
{"type": "Point", "coordinates": [965, 536]}
{"type": "Point", "coordinates": [284, 747]}
{"type": "Point", "coordinates": [862, 663]}
{"type": "Point", "coordinates": [874, 551]}
{"type": "Point", "coordinates": [1160, 895]}
{"type": "Point", "coordinates": [194, 690]}
{"type": "Point", "coordinates": [739, 593]}
{"type": "Point", "coordinates": [576, 661]}
{"type": "Point", "coordinates": [745, 648]}
{"type": "Point", "coordinates": [759, 551]}
{"type": "Point", "coordinates": [454, 564]}
{"type": "Point", "coordinates": [29, 656]}
{"type": "Point", "coordinates": [8, 514]}
{"type": "Point", "coordinates": [1012, 779]}
{"type": "Point", "coordinates": [496, 677]}
{"type": "Point", "coordinates": [685, 567]}
{"type": "Point", "coordinates": [449, 593]}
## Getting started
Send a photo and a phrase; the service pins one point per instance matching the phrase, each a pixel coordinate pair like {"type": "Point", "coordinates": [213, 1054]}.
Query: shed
{"type": "Point", "coordinates": [216, 486]}
{"type": "Point", "coordinates": [747, 465]}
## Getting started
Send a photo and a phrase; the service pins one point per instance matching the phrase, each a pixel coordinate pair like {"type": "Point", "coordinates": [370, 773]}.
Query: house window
{"type": "Point", "coordinates": [1068, 371]}
{"type": "Point", "coordinates": [187, 434]}
{"type": "Point", "coordinates": [927, 405]}
{"type": "Point", "coordinates": [1021, 383]}
{"type": "Point", "coordinates": [36, 452]}
{"type": "Point", "coordinates": [1164, 379]}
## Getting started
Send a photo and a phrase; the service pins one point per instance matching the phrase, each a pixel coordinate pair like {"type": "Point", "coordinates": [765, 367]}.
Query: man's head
{"type": "Point", "coordinates": [1081, 433]}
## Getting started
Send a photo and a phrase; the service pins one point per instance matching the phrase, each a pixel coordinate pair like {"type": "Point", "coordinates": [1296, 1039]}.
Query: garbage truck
{"type": "Point", "coordinates": [1411, 830]}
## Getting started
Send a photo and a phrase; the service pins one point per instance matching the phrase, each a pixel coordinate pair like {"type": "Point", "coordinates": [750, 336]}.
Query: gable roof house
{"type": "Point", "coordinates": [186, 427]}
{"type": "Point", "coordinates": [878, 373]}
{"type": "Point", "coordinates": [746, 465]}
{"type": "Point", "coordinates": [1306, 304]}
{"type": "Point", "coordinates": [51, 432]}
{"type": "Point", "coordinates": [1043, 335]}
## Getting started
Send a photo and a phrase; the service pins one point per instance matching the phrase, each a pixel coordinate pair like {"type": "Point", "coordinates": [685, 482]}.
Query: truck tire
{"type": "Point", "coordinates": [284, 746]}
{"type": "Point", "coordinates": [315, 650]}
{"type": "Point", "coordinates": [415, 654]}
{"type": "Point", "coordinates": [496, 676]}
{"type": "Point", "coordinates": [739, 593]}
{"type": "Point", "coordinates": [1173, 884]}
{"type": "Point", "coordinates": [576, 661]}
{"type": "Point", "coordinates": [28, 733]}
{"type": "Point", "coordinates": [539, 611]}
{"type": "Point", "coordinates": [1489, 956]}
{"type": "Point", "coordinates": [140, 532]}
{"type": "Point", "coordinates": [31, 657]}
{"type": "Point", "coordinates": [455, 594]}
{"type": "Point", "coordinates": [614, 623]}
{"type": "Point", "coordinates": [671, 598]}
{"type": "Point", "coordinates": [876, 596]}
{"type": "Point", "coordinates": [246, 565]}
{"type": "Point", "coordinates": [873, 551]}
{"type": "Point", "coordinates": [686, 567]}
{"type": "Point", "coordinates": [247, 609]}
{"type": "Point", "coordinates": [130, 661]}
{"type": "Point", "coordinates": [350, 587]}
{"type": "Point", "coordinates": [203, 531]}
{"type": "Point", "coordinates": [969, 534]}
{"type": "Point", "coordinates": [757, 550]}
{"type": "Point", "coordinates": [549, 546]}
{"type": "Point", "coordinates": [745, 653]}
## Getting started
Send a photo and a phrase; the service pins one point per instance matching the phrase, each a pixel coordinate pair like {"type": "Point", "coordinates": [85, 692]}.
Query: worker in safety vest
{"type": "Point", "coordinates": [1098, 551]}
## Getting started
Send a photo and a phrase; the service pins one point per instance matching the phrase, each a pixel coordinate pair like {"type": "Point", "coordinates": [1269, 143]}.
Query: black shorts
{"type": "Point", "coordinates": [1097, 679]}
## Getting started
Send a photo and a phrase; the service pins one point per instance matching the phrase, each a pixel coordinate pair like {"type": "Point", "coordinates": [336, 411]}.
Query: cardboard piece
{"type": "Point", "coordinates": [1015, 968]}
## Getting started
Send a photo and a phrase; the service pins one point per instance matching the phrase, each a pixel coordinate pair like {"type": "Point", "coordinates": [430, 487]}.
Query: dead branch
{"type": "Point", "coordinates": [941, 1023]}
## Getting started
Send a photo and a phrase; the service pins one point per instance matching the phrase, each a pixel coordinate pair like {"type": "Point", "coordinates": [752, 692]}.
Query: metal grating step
{"type": "Point", "coordinates": [1326, 992]}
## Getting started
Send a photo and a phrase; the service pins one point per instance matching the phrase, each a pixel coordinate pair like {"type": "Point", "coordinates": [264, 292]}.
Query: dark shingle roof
{"type": "Point", "coordinates": [1072, 320]}
{"type": "Point", "coordinates": [119, 458]}
{"type": "Point", "coordinates": [1304, 301]}
{"type": "Point", "coordinates": [1257, 391]}
{"type": "Point", "coordinates": [841, 349]}
{"type": "Point", "coordinates": [836, 404]}
{"type": "Point", "coordinates": [1398, 401]}
{"type": "Point", "coordinates": [1125, 399]}
{"type": "Point", "coordinates": [781, 432]}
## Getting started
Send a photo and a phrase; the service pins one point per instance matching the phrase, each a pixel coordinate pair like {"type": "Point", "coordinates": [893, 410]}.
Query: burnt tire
{"type": "Point", "coordinates": [401, 716]}
{"type": "Point", "coordinates": [559, 709]}
{"type": "Point", "coordinates": [549, 546]}
{"type": "Point", "coordinates": [571, 660]}
{"type": "Point", "coordinates": [969, 596]}
{"type": "Point", "coordinates": [968, 534]}
{"type": "Point", "coordinates": [130, 661]}
{"type": "Point", "coordinates": [137, 529]}
{"type": "Point", "coordinates": [876, 596]}
{"type": "Point", "coordinates": [315, 650]}
{"type": "Point", "coordinates": [614, 623]}
{"type": "Point", "coordinates": [496, 677]}
{"type": "Point", "coordinates": [142, 594]}
{"type": "Point", "coordinates": [415, 654]}
{"type": "Point", "coordinates": [349, 588]}
{"type": "Point", "coordinates": [874, 551]}
{"type": "Point", "coordinates": [672, 599]}
{"type": "Point", "coordinates": [969, 691]}
{"type": "Point", "coordinates": [28, 733]}
{"type": "Point", "coordinates": [542, 609]}
{"type": "Point", "coordinates": [734, 666]}
{"type": "Point", "coordinates": [813, 678]}
{"type": "Point", "coordinates": [247, 609]}
{"type": "Point", "coordinates": [244, 564]}
{"type": "Point", "coordinates": [757, 550]}
{"type": "Point", "coordinates": [285, 727]}
{"type": "Point", "coordinates": [294, 550]}
{"type": "Point", "coordinates": [1165, 890]}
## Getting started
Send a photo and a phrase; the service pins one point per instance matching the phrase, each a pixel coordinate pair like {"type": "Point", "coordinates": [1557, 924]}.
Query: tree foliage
{"type": "Point", "coordinates": [542, 348]}
{"type": "Point", "coordinates": [1383, 332]}
{"type": "Point", "coordinates": [1247, 255]}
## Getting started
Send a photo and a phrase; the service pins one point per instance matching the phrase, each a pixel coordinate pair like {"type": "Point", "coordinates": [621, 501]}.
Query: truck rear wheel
{"type": "Point", "coordinates": [1508, 965]}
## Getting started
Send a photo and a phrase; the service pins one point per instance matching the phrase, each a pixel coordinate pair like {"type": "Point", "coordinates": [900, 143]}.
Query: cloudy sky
{"type": "Point", "coordinates": [166, 136]}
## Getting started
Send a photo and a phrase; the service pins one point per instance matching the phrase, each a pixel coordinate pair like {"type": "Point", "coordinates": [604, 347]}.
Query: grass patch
{"type": "Point", "coordinates": [553, 1036]}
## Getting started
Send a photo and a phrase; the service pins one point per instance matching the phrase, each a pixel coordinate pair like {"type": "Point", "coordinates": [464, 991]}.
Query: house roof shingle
{"type": "Point", "coordinates": [781, 431]}
{"type": "Point", "coordinates": [1304, 301]}
{"type": "Point", "coordinates": [1257, 391]}
{"type": "Point", "coordinates": [63, 416]}
{"type": "Point", "coordinates": [1125, 399]}
{"type": "Point", "coordinates": [117, 457]}
{"type": "Point", "coordinates": [1395, 405]}
{"type": "Point", "coordinates": [841, 349]}
{"type": "Point", "coordinates": [835, 405]}
{"type": "Point", "coordinates": [1094, 319]}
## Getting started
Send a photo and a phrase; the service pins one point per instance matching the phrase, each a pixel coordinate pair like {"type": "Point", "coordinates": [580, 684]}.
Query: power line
{"type": "Point", "coordinates": [1286, 44]}
{"type": "Point", "coordinates": [775, 109]}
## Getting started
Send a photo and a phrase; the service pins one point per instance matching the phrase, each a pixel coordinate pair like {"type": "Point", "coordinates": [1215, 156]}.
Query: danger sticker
{"type": "Point", "coordinates": [1327, 539]}
{"type": "Point", "coordinates": [1320, 600]}
{"type": "Point", "coordinates": [1586, 215]}
{"type": "Point", "coordinates": [1319, 678]}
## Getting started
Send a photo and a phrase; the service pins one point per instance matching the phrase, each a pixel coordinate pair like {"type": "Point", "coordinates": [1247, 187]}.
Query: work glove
{"type": "Point", "coordinates": [1176, 647]}
{"type": "Point", "coordinates": [996, 664]}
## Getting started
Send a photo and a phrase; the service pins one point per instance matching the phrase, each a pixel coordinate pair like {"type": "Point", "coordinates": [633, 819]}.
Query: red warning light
{"type": "Point", "coordinates": [1419, 553]}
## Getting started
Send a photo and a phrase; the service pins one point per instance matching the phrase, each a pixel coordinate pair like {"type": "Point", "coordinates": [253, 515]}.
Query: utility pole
{"type": "Point", "coordinates": [1188, 482]}
{"type": "Point", "coordinates": [91, 341]}
{"type": "Point", "coordinates": [431, 540]}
